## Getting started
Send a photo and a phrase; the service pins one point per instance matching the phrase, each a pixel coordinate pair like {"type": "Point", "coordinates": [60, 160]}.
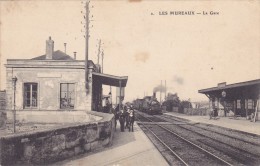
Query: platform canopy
{"type": "Point", "coordinates": [111, 80]}
{"type": "Point", "coordinates": [249, 89]}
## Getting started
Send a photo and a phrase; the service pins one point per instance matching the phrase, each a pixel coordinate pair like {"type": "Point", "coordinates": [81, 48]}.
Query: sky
{"type": "Point", "coordinates": [189, 52]}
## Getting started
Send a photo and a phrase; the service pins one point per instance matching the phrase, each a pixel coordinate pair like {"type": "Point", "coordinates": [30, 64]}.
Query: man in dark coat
{"type": "Point", "coordinates": [122, 119]}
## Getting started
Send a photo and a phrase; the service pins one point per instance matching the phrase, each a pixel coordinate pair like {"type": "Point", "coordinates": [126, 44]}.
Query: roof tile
{"type": "Point", "coordinates": [57, 55]}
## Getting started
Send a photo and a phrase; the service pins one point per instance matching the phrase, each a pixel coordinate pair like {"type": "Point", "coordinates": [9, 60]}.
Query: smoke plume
{"type": "Point", "coordinates": [178, 80]}
{"type": "Point", "coordinates": [159, 88]}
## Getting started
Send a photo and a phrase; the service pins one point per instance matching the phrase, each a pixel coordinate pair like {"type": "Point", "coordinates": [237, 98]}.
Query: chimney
{"type": "Point", "coordinates": [49, 48]}
{"type": "Point", "coordinates": [75, 55]}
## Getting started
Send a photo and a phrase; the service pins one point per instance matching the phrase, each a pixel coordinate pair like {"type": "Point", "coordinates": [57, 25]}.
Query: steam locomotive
{"type": "Point", "coordinates": [149, 105]}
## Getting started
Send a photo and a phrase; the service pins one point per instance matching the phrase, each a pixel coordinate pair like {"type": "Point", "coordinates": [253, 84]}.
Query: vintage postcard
{"type": "Point", "coordinates": [109, 82]}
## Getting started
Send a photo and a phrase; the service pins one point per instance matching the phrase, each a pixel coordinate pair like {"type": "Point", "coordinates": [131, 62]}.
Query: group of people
{"type": "Point", "coordinates": [126, 117]}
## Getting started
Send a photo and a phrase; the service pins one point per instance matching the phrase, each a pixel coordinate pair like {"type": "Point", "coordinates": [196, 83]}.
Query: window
{"type": "Point", "coordinates": [30, 95]}
{"type": "Point", "coordinates": [67, 95]}
{"type": "Point", "coordinates": [250, 104]}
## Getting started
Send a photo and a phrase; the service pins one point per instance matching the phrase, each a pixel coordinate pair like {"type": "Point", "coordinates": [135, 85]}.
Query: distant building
{"type": "Point", "coordinates": [56, 81]}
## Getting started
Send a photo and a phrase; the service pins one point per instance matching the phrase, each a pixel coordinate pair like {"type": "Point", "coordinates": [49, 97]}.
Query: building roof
{"type": "Point", "coordinates": [57, 55]}
{"type": "Point", "coordinates": [236, 85]}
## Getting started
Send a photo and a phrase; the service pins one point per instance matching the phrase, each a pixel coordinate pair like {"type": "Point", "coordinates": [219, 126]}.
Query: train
{"type": "Point", "coordinates": [149, 105]}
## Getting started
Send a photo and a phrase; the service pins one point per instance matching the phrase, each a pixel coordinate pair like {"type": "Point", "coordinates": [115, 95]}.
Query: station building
{"type": "Point", "coordinates": [241, 98]}
{"type": "Point", "coordinates": [56, 81]}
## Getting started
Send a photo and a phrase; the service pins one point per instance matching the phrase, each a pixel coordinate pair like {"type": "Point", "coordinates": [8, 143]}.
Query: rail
{"type": "Point", "coordinates": [182, 138]}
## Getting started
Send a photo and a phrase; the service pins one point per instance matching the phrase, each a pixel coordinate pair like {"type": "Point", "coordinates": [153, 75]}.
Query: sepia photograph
{"type": "Point", "coordinates": [130, 83]}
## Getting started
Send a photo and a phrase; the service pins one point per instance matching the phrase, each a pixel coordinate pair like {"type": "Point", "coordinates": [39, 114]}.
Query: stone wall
{"type": "Point", "coordinates": [52, 116]}
{"type": "Point", "coordinates": [48, 146]}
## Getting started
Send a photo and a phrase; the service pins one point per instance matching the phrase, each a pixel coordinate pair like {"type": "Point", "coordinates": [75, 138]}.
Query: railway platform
{"type": "Point", "coordinates": [128, 149]}
{"type": "Point", "coordinates": [239, 123]}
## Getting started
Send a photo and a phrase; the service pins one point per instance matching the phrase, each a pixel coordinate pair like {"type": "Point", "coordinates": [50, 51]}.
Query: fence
{"type": "Point", "coordinates": [196, 111]}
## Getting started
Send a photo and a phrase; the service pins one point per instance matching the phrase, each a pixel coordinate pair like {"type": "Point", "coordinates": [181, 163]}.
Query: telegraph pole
{"type": "Point", "coordinates": [86, 44]}
{"type": "Point", "coordinates": [99, 46]}
{"type": "Point", "coordinates": [102, 54]}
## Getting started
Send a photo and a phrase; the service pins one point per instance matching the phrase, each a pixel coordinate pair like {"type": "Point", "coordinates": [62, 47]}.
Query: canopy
{"type": "Point", "coordinates": [249, 89]}
{"type": "Point", "coordinates": [111, 80]}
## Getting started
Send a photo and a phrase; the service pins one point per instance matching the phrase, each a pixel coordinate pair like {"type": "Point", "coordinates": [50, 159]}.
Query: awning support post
{"type": "Point", "coordinates": [120, 102]}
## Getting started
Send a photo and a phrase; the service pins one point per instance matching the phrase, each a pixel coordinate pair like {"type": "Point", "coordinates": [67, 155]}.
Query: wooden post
{"type": "Point", "coordinates": [235, 107]}
{"type": "Point", "coordinates": [165, 91]}
{"type": "Point", "coordinates": [120, 102]}
{"type": "Point", "coordinates": [14, 111]}
{"type": "Point", "coordinates": [256, 109]}
{"type": "Point", "coordinates": [161, 93]}
{"type": "Point", "coordinates": [246, 102]}
{"type": "Point", "coordinates": [209, 102]}
{"type": "Point", "coordinates": [224, 106]}
{"type": "Point", "coordinates": [218, 100]}
{"type": "Point", "coordinates": [111, 94]}
{"type": "Point", "coordinates": [86, 46]}
{"type": "Point", "coordinates": [246, 106]}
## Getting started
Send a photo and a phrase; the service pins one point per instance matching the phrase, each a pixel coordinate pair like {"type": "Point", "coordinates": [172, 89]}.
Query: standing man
{"type": "Point", "coordinates": [122, 119]}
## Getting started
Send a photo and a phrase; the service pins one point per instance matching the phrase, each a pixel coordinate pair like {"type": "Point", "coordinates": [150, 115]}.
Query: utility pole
{"type": "Point", "coordinates": [86, 43]}
{"type": "Point", "coordinates": [102, 54]}
{"type": "Point", "coordinates": [99, 46]}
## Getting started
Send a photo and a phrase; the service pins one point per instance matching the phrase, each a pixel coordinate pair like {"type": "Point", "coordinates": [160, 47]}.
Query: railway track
{"type": "Point", "coordinates": [179, 148]}
{"type": "Point", "coordinates": [246, 137]}
{"type": "Point", "coordinates": [228, 145]}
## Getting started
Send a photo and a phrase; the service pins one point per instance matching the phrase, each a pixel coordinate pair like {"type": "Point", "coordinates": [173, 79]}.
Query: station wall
{"type": "Point", "coordinates": [48, 81]}
{"type": "Point", "coordinates": [48, 146]}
